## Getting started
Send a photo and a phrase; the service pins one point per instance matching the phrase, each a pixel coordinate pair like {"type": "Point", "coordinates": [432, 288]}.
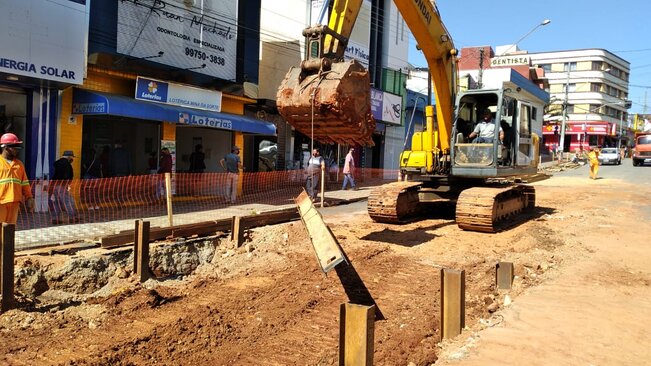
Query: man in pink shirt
{"type": "Point", "coordinates": [349, 167]}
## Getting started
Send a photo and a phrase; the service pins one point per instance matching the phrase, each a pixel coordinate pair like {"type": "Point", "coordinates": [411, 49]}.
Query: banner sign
{"type": "Point", "coordinates": [44, 39]}
{"type": "Point", "coordinates": [386, 107]}
{"type": "Point", "coordinates": [392, 109]}
{"type": "Point", "coordinates": [178, 33]}
{"type": "Point", "coordinates": [376, 103]}
{"type": "Point", "coordinates": [153, 90]}
{"type": "Point", "coordinates": [584, 128]}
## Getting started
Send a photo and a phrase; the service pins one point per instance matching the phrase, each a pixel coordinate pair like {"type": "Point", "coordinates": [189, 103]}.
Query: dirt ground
{"type": "Point", "coordinates": [580, 256]}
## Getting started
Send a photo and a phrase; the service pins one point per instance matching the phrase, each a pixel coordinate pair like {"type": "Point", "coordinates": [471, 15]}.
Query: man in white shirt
{"type": "Point", "coordinates": [484, 132]}
{"type": "Point", "coordinates": [314, 167]}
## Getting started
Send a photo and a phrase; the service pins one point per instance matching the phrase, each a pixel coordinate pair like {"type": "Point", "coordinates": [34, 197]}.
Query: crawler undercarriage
{"type": "Point", "coordinates": [480, 208]}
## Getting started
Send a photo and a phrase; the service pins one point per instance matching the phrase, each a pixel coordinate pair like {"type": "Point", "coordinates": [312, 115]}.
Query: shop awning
{"type": "Point", "coordinates": [97, 103]}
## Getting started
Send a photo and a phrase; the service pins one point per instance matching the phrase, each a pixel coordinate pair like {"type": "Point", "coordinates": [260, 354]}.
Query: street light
{"type": "Point", "coordinates": [541, 24]}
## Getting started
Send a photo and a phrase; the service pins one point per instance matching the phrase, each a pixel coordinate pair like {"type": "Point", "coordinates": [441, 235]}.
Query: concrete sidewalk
{"type": "Point", "coordinates": [91, 232]}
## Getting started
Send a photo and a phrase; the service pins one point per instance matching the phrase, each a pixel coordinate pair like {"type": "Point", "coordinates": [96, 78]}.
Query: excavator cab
{"type": "Point", "coordinates": [513, 146]}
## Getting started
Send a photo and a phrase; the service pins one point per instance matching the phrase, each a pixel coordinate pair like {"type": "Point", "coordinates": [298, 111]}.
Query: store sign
{"type": "Point", "coordinates": [153, 90]}
{"type": "Point", "coordinates": [392, 109]}
{"type": "Point", "coordinates": [574, 129]}
{"type": "Point", "coordinates": [386, 107]}
{"type": "Point", "coordinates": [199, 120]}
{"type": "Point", "coordinates": [377, 97]}
{"type": "Point", "coordinates": [44, 39]}
{"type": "Point", "coordinates": [510, 60]}
{"type": "Point", "coordinates": [197, 35]}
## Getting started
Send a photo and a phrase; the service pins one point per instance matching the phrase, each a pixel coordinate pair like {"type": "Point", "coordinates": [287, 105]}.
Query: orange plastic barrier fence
{"type": "Point", "coordinates": [141, 196]}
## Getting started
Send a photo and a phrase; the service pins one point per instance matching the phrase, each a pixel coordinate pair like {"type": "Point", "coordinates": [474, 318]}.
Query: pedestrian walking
{"type": "Point", "coordinates": [231, 164]}
{"type": "Point", "coordinates": [315, 165]}
{"type": "Point", "coordinates": [60, 189]}
{"type": "Point", "coordinates": [14, 185]}
{"type": "Point", "coordinates": [349, 167]}
{"type": "Point", "coordinates": [593, 158]}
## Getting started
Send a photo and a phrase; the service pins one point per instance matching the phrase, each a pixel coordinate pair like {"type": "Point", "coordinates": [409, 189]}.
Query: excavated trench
{"type": "Point", "coordinates": [91, 273]}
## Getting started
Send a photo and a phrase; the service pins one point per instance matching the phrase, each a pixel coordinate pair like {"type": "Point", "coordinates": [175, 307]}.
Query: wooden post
{"type": "Point", "coordinates": [7, 266]}
{"type": "Point", "coordinates": [356, 334]}
{"type": "Point", "coordinates": [504, 275]}
{"type": "Point", "coordinates": [237, 231]}
{"type": "Point", "coordinates": [168, 195]}
{"type": "Point", "coordinates": [453, 299]}
{"type": "Point", "coordinates": [322, 185]}
{"type": "Point", "coordinates": [141, 250]}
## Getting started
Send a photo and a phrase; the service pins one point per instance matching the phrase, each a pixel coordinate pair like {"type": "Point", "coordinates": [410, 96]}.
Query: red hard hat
{"type": "Point", "coordinates": [9, 139]}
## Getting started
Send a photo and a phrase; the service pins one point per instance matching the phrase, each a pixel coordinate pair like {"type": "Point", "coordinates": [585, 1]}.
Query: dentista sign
{"type": "Point", "coordinates": [514, 60]}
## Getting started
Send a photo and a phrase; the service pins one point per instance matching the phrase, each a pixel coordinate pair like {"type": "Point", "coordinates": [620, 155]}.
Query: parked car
{"type": "Point", "coordinates": [610, 155]}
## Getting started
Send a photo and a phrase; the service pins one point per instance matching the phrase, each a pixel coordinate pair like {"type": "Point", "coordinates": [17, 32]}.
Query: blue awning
{"type": "Point", "coordinates": [97, 103]}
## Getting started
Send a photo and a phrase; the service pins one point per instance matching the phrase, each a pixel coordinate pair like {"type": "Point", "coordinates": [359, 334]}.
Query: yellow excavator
{"type": "Point", "coordinates": [449, 160]}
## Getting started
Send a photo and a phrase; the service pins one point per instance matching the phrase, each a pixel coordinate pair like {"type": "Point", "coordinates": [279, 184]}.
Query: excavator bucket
{"type": "Point", "coordinates": [332, 105]}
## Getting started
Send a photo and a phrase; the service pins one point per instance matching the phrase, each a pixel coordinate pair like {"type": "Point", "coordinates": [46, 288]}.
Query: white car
{"type": "Point", "coordinates": [610, 155]}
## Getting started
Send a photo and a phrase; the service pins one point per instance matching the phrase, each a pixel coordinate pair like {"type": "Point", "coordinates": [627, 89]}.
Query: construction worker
{"type": "Point", "coordinates": [14, 185]}
{"type": "Point", "coordinates": [593, 158]}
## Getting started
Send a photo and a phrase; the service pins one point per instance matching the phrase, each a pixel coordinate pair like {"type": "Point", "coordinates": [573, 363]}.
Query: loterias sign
{"type": "Point", "coordinates": [159, 91]}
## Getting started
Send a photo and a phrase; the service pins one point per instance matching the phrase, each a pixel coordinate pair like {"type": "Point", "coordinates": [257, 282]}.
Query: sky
{"type": "Point", "coordinates": [622, 27]}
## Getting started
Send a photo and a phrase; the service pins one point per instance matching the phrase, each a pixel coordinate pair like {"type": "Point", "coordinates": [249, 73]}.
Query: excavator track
{"type": "Point", "coordinates": [394, 202]}
{"type": "Point", "coordinates": [486, 209]}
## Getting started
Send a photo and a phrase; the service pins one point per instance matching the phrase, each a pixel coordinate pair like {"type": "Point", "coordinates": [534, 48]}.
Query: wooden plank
{"type": "Point", "coordinates": [135, 246]}
{"type": "Point", "coordinates": [141, 251]}
{"type": "Point", "coordinates": [356, 334]}
{"type": "Point", "coordinates": [504, 275]}
{"type": "Point", "coordinates": [325, 244]}
{"type": "Point", "coordinates": [453, 302]}
{"type": "Point", "coordinates": [201, 229]}
{"type": "Point", "coordinates": [56, 249]}
{"type": "Point", "coordinates": [7, 245]}
{"type": "Point", "coordinates": [237, 231]}
{"type": "Point", "coordinates": [116, 240]}
{"type": "Point", "coordinates": [270, 218]}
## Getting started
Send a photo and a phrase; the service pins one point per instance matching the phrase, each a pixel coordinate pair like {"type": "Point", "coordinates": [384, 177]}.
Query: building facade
{"type": "Point", "coordinates": [589, 90]}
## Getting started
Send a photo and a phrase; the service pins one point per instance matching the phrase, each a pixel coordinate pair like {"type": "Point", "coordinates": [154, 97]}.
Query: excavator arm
{"type": "Point", "coordinates": [329, 99]}
{"type": "Point", "coordinates": [424, 21]}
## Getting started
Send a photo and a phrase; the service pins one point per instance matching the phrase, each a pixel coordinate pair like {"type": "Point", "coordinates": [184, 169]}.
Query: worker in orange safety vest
{"type": "Point", "coordinates": [593, 159]}
{"type": "Point", "coordinates": [14, 185]}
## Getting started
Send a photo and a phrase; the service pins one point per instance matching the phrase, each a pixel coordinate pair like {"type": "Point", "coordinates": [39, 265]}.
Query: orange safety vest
{"type": "Point", "coordinates": [14, 184]}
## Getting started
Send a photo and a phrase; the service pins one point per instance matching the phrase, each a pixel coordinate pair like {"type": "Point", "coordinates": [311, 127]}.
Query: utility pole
{"type": "Point", "coordinates": [561, 142]}
{"type": "Point", "coordinates": [481, 69]}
